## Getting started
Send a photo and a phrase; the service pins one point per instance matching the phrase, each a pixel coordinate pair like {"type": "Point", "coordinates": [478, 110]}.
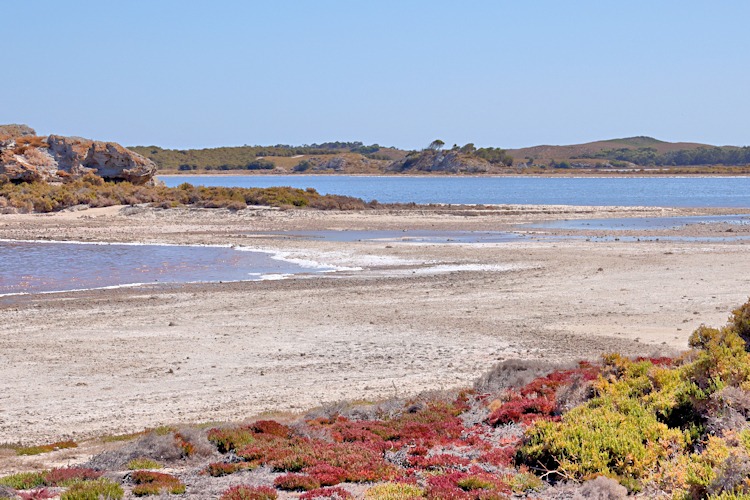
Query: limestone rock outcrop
{"type": "Point", "coordinates": [24, 156]}
{"type": "Point", "coordinates": [350, 163]}
{"type": "Point", "coordinates": [15, 130]}
{"type": "Point", "coordinates": [441, 161]}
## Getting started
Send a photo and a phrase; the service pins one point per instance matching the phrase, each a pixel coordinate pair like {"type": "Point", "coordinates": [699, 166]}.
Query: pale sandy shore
{"type": "Point", "coordinates": [411, 317]}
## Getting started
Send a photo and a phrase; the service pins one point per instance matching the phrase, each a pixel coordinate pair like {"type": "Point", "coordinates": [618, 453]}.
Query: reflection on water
{"type": "Point", "coordinates": [30, 267]}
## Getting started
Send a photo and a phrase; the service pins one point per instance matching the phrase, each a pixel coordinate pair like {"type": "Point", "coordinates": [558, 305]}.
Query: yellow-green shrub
{"type": "Point", "coordinates": [722, 467]}
{"type": "Point", "coordinates": [618, 433]}
{"type": "Point", "coordinates": [101, 489]}
{"type": "Point", "coordinates": [23, 480]}
{"type": "Point", "coordinates": [525, 481]}
{"type": "Point", "coordinates": [143, 463]}
{"type": "Point", "coordinates": [602, 437]}
{"type": "Point", "coordinates": [394, 491]}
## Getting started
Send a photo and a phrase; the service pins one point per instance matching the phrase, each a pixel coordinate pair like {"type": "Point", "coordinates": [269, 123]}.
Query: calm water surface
{"type": "Point", "coordinates": [641, 223]}
{"type": "Point", "coordinates": [31, 267]}
{"type": "Point", "coordinates": [601, 191]}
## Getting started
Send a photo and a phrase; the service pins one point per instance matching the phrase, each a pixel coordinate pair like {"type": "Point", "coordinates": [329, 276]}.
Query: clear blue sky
{"type": "Point", "coordinates": [501, 73]}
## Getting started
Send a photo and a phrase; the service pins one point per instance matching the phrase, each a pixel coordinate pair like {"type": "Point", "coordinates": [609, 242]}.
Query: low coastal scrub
{"type": "Point", "coordinates": [154, 483]}
{"type": "Point", "coordinates": [93, 191]}
{"type": "Point", "coordinates": [243, 492]}
{"type": "Point", "coordinates": [61, 477]}
{"type": "Point", "coordinates": [143, 463]}
{"type": "Point", "coordinates": [44, 448]}
{"type": "Point", "coordinates": [94, 490]}
{"type": "Point", "coordinates": [657, 427]}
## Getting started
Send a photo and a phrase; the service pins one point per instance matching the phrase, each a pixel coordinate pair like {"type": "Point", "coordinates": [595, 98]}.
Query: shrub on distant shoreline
{"type": "Point", "coordinates": [95, 192]}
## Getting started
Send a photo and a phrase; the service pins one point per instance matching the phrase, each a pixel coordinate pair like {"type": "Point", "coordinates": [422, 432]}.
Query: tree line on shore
{"type": "Point", "coordinates": [727, 155]}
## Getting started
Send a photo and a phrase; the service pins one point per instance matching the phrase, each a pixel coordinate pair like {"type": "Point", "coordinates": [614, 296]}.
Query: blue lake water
{"type": "Point", "coordinates": [640, 223]}
{"type": "Point", "coordinates": [32, 267]}
{"type": "Point", "coordinates": [601, 191]}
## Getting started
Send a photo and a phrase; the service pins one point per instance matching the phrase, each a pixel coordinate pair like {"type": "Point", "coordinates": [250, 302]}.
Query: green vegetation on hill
{"type": "Point", "coordinates": [357, 158]}
{"type": "Point", "coordinates": [637, 152]}
{"type": "Point", "coordinates": [465, 159]}
{"type": "Point", "coordinates": [244, 157]}
{"type": "Point", "coordinates": [649, 156]}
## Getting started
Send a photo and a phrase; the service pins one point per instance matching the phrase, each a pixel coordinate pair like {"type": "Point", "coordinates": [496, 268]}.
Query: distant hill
{"type": "Point", "coordinates": [622, 155]}
{"type": "Point", "coordinates": [574, 151]}
{"type": "Point", "coordinates": [328, 158]}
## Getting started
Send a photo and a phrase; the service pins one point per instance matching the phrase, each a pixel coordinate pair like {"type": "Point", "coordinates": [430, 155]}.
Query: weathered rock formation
{"type": "Point", "coordinates": [24, 156]}
{"type": "Point", "coordinates": [449, 162]}
{"type": "Point", "coordinates": [350, 163]}
{"type": "Point", "coordinates": [15, 130]}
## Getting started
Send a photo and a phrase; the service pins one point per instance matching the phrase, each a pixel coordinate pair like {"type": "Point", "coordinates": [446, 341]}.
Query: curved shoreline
{"type": "Point", "coordinates": [419, 316]}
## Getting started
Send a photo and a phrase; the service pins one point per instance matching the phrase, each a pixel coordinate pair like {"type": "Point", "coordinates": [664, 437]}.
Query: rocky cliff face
{"type": "Point", "coordinates": [24, 156]}
{"type": "Point", "coordinates": [450, 162]}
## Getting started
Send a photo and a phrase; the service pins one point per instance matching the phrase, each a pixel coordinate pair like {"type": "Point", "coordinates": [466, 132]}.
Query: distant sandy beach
{"type": "Point", "coordinates": [408, 317]}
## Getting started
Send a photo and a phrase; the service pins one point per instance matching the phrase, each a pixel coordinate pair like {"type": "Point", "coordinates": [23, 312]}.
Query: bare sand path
{"type": "Point", "coordinates": [414, 318]}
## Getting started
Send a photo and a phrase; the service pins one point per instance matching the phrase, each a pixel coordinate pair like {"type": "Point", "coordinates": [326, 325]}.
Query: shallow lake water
{"type": "Point", "coordinates": [600, 191]}
{"type": "Point", "coordinates": [32, 267]}
{"type": "Point", "coordinates": [641, 223]}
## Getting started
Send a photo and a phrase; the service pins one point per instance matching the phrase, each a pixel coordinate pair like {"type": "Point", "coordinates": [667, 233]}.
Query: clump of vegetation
{"type": "Point", "coordinates": [394, 491]}
{"type": "Point", "coordinates": [617, 433]}
{"type": "Point", "coordinates": [296, 482]}
{"type": "Point", "coordinates": [45, 448]}
{"type": "Point", "coordinates": [143, 463]}
{"type": "Point", "coordinates": [706, 155]}
{"type": "Point", "coordinates": [23, 480]}
{"type": "Point", "coordinates": [525, 482]}
{"type": "Point", "coordinates": [100, 489]}
{"type": "Point", "coordinates": [61, 477]}
{"type": "Point", "coordinates": [93, 191]}
{"type": "Point", "coordinates": [67, 476]}
{"type": "Point", "coordinates": [462, 486]}
{"type": "Point", "coordinates": [327, 494]}
{"type": "Point", "coordinates": [154, 483]}
{"type": "Point", "coordinates": [538, 399]}
{"type": "Point", "coordinates": [243, 492]}
{"type": "Point", "coordinates": [494, 156]}
{"type": "Point", "coordinates": [40, 494]}
{"type": "Point", "coordinates": [163, 445]}
{"type": "Point", "coordinates": [218, 469]}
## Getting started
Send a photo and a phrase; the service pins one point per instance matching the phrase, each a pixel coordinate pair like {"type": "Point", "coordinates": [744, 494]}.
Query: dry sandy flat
{"type": "Point", "coordinates": [412, 318]}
